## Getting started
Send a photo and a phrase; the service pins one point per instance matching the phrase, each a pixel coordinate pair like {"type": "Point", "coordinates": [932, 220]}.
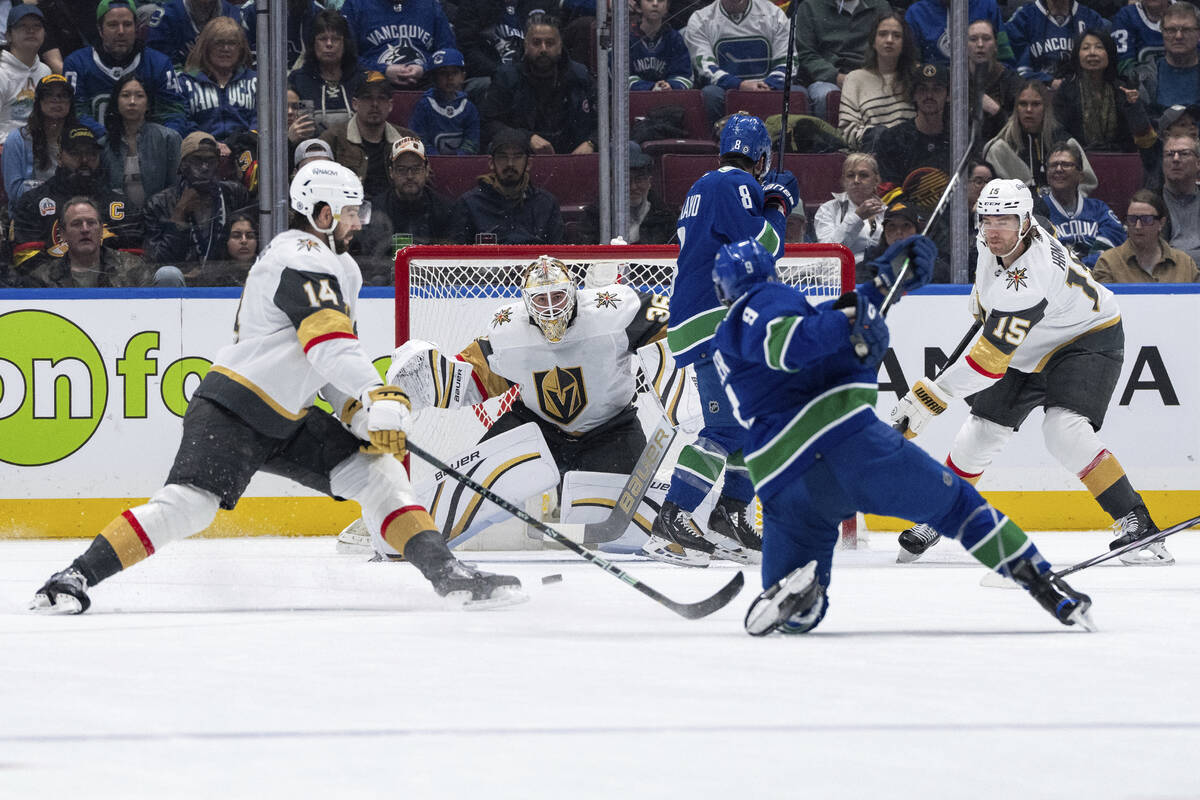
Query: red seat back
{"type": "Point", "coordinates": [403, 104]}
{"type": "Point", "coordinates": [456, 175]}
{"type": "Point", "coordinates": [1120, 175]}
{"type": "Point", "coordinates": [764, 104]}
{"type": "Point", "coordinates": [695, 119]}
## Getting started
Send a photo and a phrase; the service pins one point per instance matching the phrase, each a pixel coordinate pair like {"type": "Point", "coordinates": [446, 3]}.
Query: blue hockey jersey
{"type": "Point", "coordinates": [927, 18]}
{"type": "Point", "coordinates": [793, 379]}
{"type": "Point", "coordinates": [1137, 38]}
{"type": "Point", "coordinates": [221, 110]}
{"type": "Point", "coordinates": [663, 58]}
{"type": "Point", "coordinates": [173, 32]}
{"type": "Point", "coordinates": [93, 81]}
{"type": "Point", "coordinates": [407, 32]}
{"type": "Point", "coordinates": [447, 129]}
{"type": "Point", "coordinates": [1040, 44]}
{"type": "Point", "coordinates": [1088, 227]}
{"type": "Point", "coordinates": [724, 206]}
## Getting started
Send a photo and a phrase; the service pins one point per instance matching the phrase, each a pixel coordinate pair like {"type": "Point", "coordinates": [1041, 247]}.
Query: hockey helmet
{"type": "Point", "coordinates": [1003, 196]}
{"type": "Point", "coordinates": [549, 294]}
{"type": "Point", "coordinates": [330, 183]}
{"type": "Point", "coordinates": [739, 266]}
{"type": "Point", "coordinates": [747, 136]}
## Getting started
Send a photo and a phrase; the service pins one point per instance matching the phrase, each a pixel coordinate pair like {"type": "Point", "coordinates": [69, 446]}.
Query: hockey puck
{"type": "Point", "coordinates": [555, 578]}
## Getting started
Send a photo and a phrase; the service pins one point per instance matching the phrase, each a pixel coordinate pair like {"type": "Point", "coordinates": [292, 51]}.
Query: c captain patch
{"type": "Point", "coordinates": [1016, 279]}
{"type": "Point", "coordinates": [561, 394]}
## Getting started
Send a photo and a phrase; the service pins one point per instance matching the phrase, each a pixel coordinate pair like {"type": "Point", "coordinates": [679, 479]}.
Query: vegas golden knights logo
{"type": "Point", "coordinates": [561, 393]}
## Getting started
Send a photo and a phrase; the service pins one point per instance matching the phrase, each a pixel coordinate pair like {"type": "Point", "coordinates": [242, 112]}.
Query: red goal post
{"type": "Point", "coordinates": [446, 294]}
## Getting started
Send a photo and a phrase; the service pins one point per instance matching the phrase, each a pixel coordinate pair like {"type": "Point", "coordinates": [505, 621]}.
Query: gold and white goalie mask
{"type": "Point", "coordinates": [549, 296]}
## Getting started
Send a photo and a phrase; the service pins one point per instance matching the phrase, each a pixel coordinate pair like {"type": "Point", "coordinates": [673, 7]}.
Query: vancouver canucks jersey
{"type": "Point", "coordinates": [582, 381]}
{"type": "Point", "coordinates": [294, 335]}
{"type": "Point", "coordinates": [1088, 226]}
{"type": "Point", "coordinates": [93, 82]}
{"type": "Point", "coordinates": [727, 51]}
{"type": "Point", "coordinates": [1137, 38]}
{"type": "Point", "coordinates": [724, 206]}
{"type": "Point", "coordinates": [1041, 44]}
{"type": "Point", "coordinates": [407, 32]}
{"type": "Point", "coordinates": [792, 378]}
{"type": "Point", "coordinates": [447, 129]}
{"type": "Point", "coordinates": [1044, 301]}
{"type": "Point", "coordinates": [662, 58]}
{"type": "Point", "coordinates": [927, 19]}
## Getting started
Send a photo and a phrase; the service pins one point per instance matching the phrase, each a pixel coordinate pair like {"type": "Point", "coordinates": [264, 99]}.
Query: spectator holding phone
{"type": "Point", "coordinates": [327, 78]}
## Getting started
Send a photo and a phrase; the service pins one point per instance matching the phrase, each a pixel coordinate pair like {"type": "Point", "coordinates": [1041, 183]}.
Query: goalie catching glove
{"type": "Point", "coordinates": [924, 402]}
{"type": "Point", "coordinates": [382, 420]}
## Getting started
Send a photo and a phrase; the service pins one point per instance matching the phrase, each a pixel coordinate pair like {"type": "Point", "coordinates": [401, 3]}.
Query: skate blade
{"type": "Point", "coordinates": [66, 605]}
{"type": "Point", "coordinates": [994, 580]}
{"type": "Point", "coordinates": [741, 555]}
{"type": "Point", "coordinates": [500, 597]}
{"type": "Point", "coordinates": [1151, 556]}
{"type": "Point", "coordinates": [1083, 619]}
{"type": "Point", "coordinates": [671, 553]}
{"type": "Point", "coordinates": [905, 557]}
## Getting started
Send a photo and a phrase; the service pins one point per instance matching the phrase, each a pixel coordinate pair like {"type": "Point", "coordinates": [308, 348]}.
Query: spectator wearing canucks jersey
{"type": "Point", "coordinates": [1084, 224]}
{"type": "Point", "coordinates": [546, 97]}
{"type": "Point", "coordinates": [832, 37]}
{"type": "Point", "coordinates": [1137, 30]}
{"type": "Point", "coordinates": [737, 44]}
{"type": "Point", "coordinates": [658, 58]}
{"type": "Point", "coordinates": [398, 39]}
{"type": "Point", "coordinates": [220, 88]}
{"type": "Point", "coordinates": [446, 120]}
{"type": "Point", "coordinates": [93, 71]}
{"type": "Point", "coordinates": [1043, 33]}
{"type": "Point", "coordinates": [175, 24]}
{"type": "Point", "coordinates": [1174, 77]}
{"type": "Point", "coordinates": [1094, 107]}
{"type": "Point", "coordinates": [928, 20]}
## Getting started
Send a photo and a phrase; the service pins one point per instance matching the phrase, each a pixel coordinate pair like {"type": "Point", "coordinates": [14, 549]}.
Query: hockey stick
{"type": "Point", "coordinates": [787, 79]}
{"type": "Point", "coordinates": [634, 489]}
{"type": "Point", "coordinates": [1140, 544]}
{"type": "Point", "coordinates": [686, 610]}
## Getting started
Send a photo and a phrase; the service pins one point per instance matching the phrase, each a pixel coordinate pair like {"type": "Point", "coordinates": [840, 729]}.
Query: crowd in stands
{"type": "Point", "coordinates": [130, 130]}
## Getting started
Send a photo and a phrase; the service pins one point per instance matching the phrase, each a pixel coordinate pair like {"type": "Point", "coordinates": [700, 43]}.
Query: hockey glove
{"type": "Point", "coordinates": [781, 188]}
{"type": "Point", "coordinates": [921, 253]}
{"type": "Point", "coordinates": [915, 409]}
{"type": "Point", "coordinates": [868, 331]}
{"type": "Point", "coordinates": [387, 417]}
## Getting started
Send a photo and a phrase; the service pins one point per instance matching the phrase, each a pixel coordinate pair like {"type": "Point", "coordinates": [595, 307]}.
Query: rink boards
{"type": "Point", "coordinates": [93, 385]}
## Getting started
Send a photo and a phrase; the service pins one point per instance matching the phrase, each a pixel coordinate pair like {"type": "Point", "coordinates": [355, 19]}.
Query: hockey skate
{"type": "Point", "coordinates": [64, 593]}
{"type": "Point", "coordinates": [472, 589]}
{"type": "Point", "coordinates": [675, 539]}
{"type": "Point", "coordinates": [794, 605]}
{"type": "Point", "coordinates": [1067, 605]}
{"type": "Point", "coordinates": [355, 538]}
{"type": "Point", "coordinates": [731, 534]}
{"type": "Point", "coordinates": [915, 541]}
{"type": "Point", "coordinates": [1134, 526]}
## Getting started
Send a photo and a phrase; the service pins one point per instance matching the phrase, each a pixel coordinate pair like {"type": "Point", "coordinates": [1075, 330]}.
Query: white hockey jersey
{"type": "Point", "coordinates": [294, 335]}
{"type": "Point", "coordinates": [1044, 301]}
{"type": "Point", "coordinates": [584, 380]}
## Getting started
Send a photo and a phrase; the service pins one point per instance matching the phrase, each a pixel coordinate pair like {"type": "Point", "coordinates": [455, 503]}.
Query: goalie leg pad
{"type": "Point", "coordinates": [591, 497]}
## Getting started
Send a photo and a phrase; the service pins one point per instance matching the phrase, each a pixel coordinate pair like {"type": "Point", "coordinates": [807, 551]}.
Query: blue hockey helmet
{"type": "Point", "coordinates": [739, 266]}
{"type": "Point", "coordinates": [747, 136]}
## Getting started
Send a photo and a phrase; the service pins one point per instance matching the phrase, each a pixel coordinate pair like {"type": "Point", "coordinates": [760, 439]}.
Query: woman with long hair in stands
{"type": "Point", "coordinates": [1094, 106]}
{"type": "Point", "coordinates": [31, 151]}
{"type": "Point", "coordinates": [1021, 147]}
{"type": "Point", "coordinates": [877, 97]}
{"type": "Point", "coordinates": [141, 157]}
{"type": "Point", "coordinates": [220, 89]}
{"type": "Point", "coordinates": [329, 74]}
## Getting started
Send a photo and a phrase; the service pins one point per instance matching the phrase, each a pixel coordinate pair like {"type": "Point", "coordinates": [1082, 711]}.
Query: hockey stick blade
{"type": "Point", "coordinates": [695, 610]}
{"type": "Point", "coordinates": [1140, 544]}
{"type": "Point", "coordinates": [634, 489]}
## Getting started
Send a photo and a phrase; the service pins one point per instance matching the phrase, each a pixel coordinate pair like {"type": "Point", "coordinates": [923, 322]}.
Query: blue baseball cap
{"type": "Point", "coordinates": [449, 57]}
{"type": "Point", "coordinates": [18, 13]}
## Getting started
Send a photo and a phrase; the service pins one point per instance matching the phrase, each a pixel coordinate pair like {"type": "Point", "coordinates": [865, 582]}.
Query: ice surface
{"type": "Point", "coordinates": [277, 668]}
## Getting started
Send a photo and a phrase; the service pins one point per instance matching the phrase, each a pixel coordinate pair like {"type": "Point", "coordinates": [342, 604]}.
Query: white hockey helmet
{"type": "Point", "coordinates": [330, 183]}
{"type": "Point", "coordinates": [1004, 196]}
{"type": "Point", "coordinates": [549, 294]}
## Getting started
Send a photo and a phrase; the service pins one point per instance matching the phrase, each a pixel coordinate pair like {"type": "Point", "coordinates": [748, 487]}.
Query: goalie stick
{"type": "Point", "coordinates": [634, 489]}
{"type": "Point", "coordinates": [695, 610]}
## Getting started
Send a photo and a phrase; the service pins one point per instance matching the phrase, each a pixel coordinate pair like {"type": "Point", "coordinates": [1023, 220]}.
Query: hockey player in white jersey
{"type": "Point", "coordinates": [294, 335]}
{"type": "Point", "coordinates": [570, 353]}
{"type": "Point", "coordinates": [1052, 338]}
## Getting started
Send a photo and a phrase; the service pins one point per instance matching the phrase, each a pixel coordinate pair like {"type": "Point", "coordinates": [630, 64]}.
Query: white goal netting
{"type": "Point", "coordinates": [448, 294]}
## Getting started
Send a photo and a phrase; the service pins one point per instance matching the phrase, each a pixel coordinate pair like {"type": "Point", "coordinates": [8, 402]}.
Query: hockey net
{"type": "Point", "coordinates": [447, 295]}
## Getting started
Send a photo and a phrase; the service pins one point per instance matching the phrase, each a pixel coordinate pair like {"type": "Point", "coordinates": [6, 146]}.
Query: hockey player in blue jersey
{"type": "Point", "coordinates": [802, 381]}
{"type": "Point", "coordinates": [726, 205]}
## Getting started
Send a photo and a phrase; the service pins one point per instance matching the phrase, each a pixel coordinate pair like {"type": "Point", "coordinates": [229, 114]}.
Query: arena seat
{"type": "Point", "coordinates": [695, 121]}
{"type": "Point", "coordinates": [573, 179]}
{"type": "Point", "coordinates": [403, 103]}
{"type": "Point", "coordinates": [764, 104]}
{"type": "Point", "coordinates": [455, 175]}
{"type": "Point", "coordinates": [833, 105]}
{"type": "Point", "coordinates": [1120, 175]}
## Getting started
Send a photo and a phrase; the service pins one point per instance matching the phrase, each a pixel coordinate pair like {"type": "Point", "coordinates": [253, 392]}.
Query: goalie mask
{"type": "Point", "coordinates": [549, 296]}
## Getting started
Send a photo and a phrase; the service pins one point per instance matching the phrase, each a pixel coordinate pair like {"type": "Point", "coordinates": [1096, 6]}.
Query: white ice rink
{"type": "Point", "coordinates": [276, 668]}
